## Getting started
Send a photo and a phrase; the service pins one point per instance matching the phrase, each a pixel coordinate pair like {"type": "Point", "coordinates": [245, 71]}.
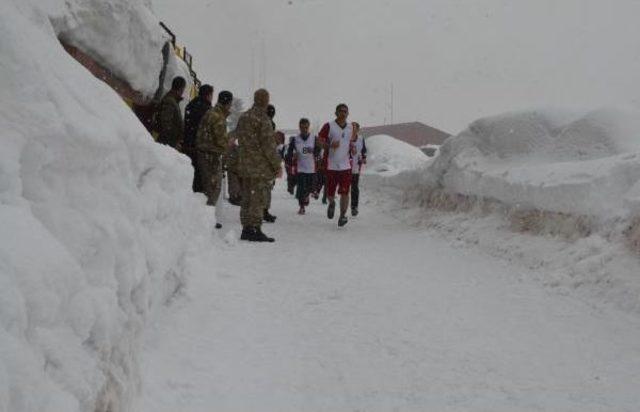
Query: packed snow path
{"type": "Point", "coordinates": [380, 317]}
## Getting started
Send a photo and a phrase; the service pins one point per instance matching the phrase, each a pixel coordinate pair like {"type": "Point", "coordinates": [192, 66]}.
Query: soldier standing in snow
{"type": "Point", "coordinates": [258, 164]}
{"type": "Point", "coordinates": [211, 143]}
{"type": "Point", "coordinates": [169, 116]}
{"type": "Point", "coordinates": [358, 159]}
{"type": "Point", "coordinates": [268, 217]}
{"type": "Point", "coordinates": [192, 116]}
{"type": "Point", "coordinates": [304, 149]}
{"type": "Point", "coordinates": [231, 166]}
{"type": "Point", "coordinates": [337, 138]}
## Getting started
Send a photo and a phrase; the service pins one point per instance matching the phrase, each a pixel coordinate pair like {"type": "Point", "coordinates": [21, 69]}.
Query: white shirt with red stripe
{"type": "Point", "coordinates": [339, 158]}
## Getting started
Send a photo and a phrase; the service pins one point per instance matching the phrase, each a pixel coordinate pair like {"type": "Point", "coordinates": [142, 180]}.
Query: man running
{"type": "Point", "coordinates": [358, 159]}
{"type": "Point", "coordinates": [338, 137]}
{"type": "Point", "coordinates": [290, 168]}
{"type": "Point", "coordinates": [304, 148]}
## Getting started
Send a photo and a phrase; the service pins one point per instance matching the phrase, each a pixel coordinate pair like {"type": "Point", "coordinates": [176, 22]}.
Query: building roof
{"type": "Point", "coordinates": [415, 133]}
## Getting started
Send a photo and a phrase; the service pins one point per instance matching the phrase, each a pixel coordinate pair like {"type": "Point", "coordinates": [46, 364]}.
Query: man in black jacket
{"type": "Point", "coordinates": [192, 117]}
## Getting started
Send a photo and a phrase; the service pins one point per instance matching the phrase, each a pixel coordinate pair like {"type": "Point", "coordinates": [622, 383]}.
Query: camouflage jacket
{"type": "Point", "coordinates": [169, 121]}
{"type": "Point", "coordinates": [230, 158]}
{"type": "Point", "coordinates": [257, 156]}
{"type": "Point", "coordinates": [212, 132]}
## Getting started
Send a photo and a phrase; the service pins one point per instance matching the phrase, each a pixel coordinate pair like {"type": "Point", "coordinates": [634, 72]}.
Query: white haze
{"type": "Point", "coordinates": [450, 61]}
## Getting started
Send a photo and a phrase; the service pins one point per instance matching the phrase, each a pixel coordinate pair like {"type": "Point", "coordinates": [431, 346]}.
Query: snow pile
{"type": "Point", "coordinates": [549, 161]}
{"type": "Point", "coordinates": [123, 36]}
{"type": "Point", "coordinates": [98, 222]}
{"type": "Point", "coordinates": [573, 179]}
{"type": "Point", "coordinates": [387, 156]}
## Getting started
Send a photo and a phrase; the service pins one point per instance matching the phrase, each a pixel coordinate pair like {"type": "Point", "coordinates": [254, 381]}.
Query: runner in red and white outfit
{"type": "Point", "coordinates": [338, 137]}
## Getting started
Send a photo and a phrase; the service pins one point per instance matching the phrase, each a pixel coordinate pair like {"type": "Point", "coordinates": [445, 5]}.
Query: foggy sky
{"type": "Point", "coordinates": [450, 61]}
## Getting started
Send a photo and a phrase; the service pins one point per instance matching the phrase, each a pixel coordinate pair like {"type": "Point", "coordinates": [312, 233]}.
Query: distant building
{"type": "Point", "coordinates": [415, 133]}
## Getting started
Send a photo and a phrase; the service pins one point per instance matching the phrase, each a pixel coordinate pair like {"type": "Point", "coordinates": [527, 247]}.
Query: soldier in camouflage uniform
{"type": "Point", "coordinates": [193, 115]}
{"type": "Point", "coordinates": [231, 166]}
{"type": "Point", "coordinates": [169, 116]}
{"type": "Point", "coordinates": [211, 144]}
{"type": "Point", "coordinates": [268, 217]}
{"type": "Point", "coordinates": [258, 165]}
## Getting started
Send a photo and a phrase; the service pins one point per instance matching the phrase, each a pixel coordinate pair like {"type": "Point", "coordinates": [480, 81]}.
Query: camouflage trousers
{"type": "Point", "coordinates": [255, 194]}
{"type": "Point", "coordinates": [210, 169]}
{"type": "Point", "coordinates": [235, 187]}
{"type": "Point", "coordinates": [272, 184]}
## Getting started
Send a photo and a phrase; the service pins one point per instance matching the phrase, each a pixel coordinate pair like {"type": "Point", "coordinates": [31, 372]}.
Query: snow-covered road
{"type": "Point", "coordinates": [380, 317]}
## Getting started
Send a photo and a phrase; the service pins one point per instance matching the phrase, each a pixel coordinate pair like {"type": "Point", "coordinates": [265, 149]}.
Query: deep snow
{"type": "Point", "coordinates": [547, 160]}
{"type": "Point", "coordinates": [101, 233]}
{"type": "Point", "coordinates": [570, 178]}
{"type": "Point", "coordinates": [97, 220]}
{"type": "Point", "coordinates": [122, 35]}
{"type": "Point", "coordinates": [388, 156]}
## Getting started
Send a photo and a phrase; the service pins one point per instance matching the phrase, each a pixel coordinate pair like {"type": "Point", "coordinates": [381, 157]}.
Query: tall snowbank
{"type": "Point", "coordinates": [98, 222]}
{"type": "Point", "coordinates": [572, 180]}
{"type": "Point", "coordinates": [123, 36]}
{"type": "Point", "coordinates": [585, 165]}
{"type": "Point", "coordinates": [388, 156]}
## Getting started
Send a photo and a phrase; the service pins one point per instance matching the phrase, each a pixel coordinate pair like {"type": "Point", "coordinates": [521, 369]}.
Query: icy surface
{"type": "Point", "coordinates": [387, 155]}
{"type": "Point", "coordinates": [98, 222]}
{"type": "Point", "coordinates": [548, 161]}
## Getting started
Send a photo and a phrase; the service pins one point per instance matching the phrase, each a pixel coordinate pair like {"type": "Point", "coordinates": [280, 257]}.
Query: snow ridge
{"type": "Point", "coordinates": [571, 180]}
{"type": "Point", "coordinates": [98, 221]}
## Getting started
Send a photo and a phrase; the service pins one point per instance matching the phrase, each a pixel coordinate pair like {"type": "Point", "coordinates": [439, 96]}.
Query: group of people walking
{"type": "Point", "coordinates": [253, 153]}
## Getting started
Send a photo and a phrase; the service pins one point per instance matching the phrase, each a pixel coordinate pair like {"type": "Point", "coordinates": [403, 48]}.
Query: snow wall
{"type": "Point", "coordinates": [98, 221]}
{"type": "Point", "coordinates": [580, 168]}
{"type": "Point", "coordinates": [572, 180]}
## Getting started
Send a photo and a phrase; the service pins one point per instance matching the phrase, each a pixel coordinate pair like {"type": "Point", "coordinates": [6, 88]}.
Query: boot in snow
{"type": "Point", "coordinates": [301, 211]}
{"type": "Point", "coordinates": [248, 233]}
{"type": "Point", "coordinates": [268, 217]}
{"type": "Point", "coordinates": [261, 237]}
{"type": "Point", "coordinates": [354, 211]}
{"type": "Point", "coordinates": [342, 220]}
